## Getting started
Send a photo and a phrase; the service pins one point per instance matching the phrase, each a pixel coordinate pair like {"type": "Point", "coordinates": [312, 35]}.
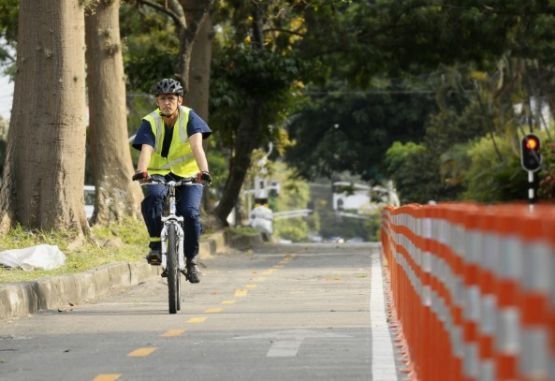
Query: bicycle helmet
{"type": "Point", "coordinates": [168, 86]}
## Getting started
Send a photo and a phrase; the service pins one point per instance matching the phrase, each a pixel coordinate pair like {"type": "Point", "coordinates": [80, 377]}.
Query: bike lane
{"type": "Point", "coordinates": [286, 312]}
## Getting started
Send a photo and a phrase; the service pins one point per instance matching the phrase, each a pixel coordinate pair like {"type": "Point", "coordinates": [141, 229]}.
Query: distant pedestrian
{"type": "Point", "coordinates": [262, 218]}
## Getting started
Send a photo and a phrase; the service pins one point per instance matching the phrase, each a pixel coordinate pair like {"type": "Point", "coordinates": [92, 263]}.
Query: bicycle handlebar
{"type": "Point", "coordinates": [162, 181]}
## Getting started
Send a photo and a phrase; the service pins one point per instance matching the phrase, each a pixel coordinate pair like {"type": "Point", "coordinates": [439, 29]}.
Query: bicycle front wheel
{"type": "Point", "coordinates": [173, 271]}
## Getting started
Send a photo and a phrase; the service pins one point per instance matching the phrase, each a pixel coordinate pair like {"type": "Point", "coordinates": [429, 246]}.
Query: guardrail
{"type": "Point", "coordinates": [473, 288]}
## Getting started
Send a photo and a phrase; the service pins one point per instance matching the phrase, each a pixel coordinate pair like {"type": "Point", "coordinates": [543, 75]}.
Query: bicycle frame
{"type": "Point", "coordinates": [172, 219]}
{"type": "Point", "coordinates": [172, 231]}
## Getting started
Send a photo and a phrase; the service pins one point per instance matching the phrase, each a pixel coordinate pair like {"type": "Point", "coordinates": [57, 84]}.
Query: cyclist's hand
{"type": "Point", "coordinates": [204, 177]}
{"type": "Point", "coordinates": [140, 176]}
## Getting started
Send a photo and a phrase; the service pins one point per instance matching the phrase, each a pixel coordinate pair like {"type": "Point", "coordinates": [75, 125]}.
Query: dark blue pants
{"type": "Point", "coordinates": [188, 200]}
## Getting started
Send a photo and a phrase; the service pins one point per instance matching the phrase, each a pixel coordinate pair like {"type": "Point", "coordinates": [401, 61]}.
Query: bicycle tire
{"type": "Point", "coordinates": [173, 271]}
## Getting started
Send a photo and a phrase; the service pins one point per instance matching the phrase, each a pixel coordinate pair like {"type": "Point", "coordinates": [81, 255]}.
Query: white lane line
{"type": "Point", "coordinates": [383, 360]}
{"type": "Point", "coordinates": [287, 343]}
{"type": "Point", "coordinates": [285, 348]}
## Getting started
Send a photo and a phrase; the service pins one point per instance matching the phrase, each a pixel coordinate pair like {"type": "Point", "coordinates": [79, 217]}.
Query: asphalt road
{"type": "Point", "coordinates": [287, 312]}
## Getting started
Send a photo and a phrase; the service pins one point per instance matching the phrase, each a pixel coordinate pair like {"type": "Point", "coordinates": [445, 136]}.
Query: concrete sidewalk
{"type": "Point", "coordinates": [58, 292]}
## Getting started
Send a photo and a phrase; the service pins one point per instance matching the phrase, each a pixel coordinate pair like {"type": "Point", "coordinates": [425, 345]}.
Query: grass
{"type": "Point", "coordinates": [124, 242]}
{"type": "Point", "coordinates": [244, 230]}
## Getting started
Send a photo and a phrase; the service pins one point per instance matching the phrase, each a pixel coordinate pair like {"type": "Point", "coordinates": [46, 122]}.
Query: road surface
{"type": "Point", "coordinates": [290, 312]}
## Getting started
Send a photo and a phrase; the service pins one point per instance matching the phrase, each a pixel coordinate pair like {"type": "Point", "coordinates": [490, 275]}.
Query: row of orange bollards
{"type": "Point", "coordinates": [473, 288]}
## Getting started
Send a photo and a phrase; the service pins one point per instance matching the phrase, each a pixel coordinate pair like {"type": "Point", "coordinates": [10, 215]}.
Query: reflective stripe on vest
{"type": "Point", "coordinates": [180, 160]}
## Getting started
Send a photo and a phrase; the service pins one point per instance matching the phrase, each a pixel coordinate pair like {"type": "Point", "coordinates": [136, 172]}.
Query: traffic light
{"type": "Point", "coordinates": [530, 156]}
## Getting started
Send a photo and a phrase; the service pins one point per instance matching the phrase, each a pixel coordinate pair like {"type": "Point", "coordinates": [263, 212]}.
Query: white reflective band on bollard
{"type": "Point", "coordinates": [536, 282]}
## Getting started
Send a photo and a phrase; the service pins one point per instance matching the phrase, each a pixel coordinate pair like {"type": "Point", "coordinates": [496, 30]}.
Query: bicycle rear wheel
{"type": "Point", "coordinates": [173, 271]}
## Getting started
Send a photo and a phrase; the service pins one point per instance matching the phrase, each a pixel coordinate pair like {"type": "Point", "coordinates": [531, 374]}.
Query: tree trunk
{"type": "Point", "coordinates": [199, 90]}
{"type": "Point", "coordinates": [248, 133]}
{"type": "Point", "coordinates": [246, 140]}
{"type": "Point", "coordinates": [195, 12]}
{"type": "Point", "coordinates": [116, 195]}
{"type": "Point", "coordinates": [199, 70]}
{"type": "Point", "coordinates": [43, 178]}
{"type": "Point", "coordinates": [184, 59]}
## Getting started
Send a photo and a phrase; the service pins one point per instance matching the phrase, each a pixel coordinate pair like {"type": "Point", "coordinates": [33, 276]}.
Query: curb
{"type": "Point", "coordinates": [241, 241]}
{"type": "Point", "coordinates": [24, 298]}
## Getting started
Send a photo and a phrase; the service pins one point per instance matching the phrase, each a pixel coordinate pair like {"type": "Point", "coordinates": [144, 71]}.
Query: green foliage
{"type": "Point", "coordinates": [341, 130]}
{"type": "Point", "coordinates": [450, 126]}
{"type": "Point", "coordinates": [333, 225]}
{"type": "Point", "coordinates": [415, 172]}
{"type": "Point", "coordinates": [254, 73]}
{"type": "Point", "coordinates": [150, 46]}
{"type": "Point", "coordinates": [489, 179]}
{"type": "Point", "coordinates": [217, 162]}
{"type": "Point", "coordinates": [139, 104]}
{"type": "Point", "coordinates": [295, 194]}
{"type": "Point", "coordinates": [546, 189]}
{"type": "Point", "coordinates": [240, 75]}
{"type": "Point", "coordinates": [9, 10]}
{"type": "Point", "coordinates": [373, 225]}
{"type": "Point", "coordinates": [400, 153]}
{"type": "Point", "coordinates": [376, 45]}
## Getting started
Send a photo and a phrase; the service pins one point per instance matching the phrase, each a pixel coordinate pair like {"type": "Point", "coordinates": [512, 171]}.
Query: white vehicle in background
{"type": "Point", "coordinates": [89, 194]}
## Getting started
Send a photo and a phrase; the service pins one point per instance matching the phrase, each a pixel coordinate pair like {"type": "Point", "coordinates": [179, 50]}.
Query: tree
{"type": "Point", "coordinates": [116, 195]}
{"type": "Point", "coordinates": [252, 88]}
{"type": "Point", "coordinates": [409, 47]}
{"type": "Point", "coordinates": [8, 29]}
{"type": "Point", "coordinates": [43, 175]}
{"type": "Point", "coordinates": [415, 171]}
{"type": "Point", "coordinates": [199, 72]}
{"type": "Point", "coordinates": [188, 16]}
{"type": "Point", "coordinates": [150, 47]}
{"type": "Point", "coordinates": [349, 130]}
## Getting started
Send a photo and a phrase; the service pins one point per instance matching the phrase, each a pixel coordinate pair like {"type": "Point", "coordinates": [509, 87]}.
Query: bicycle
{"type": "Point", "coordinates": [172, 239]}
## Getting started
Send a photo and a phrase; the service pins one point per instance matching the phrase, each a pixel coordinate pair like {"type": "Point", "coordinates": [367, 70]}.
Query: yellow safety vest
{"type": "Point", "coordinates": [180, 160]}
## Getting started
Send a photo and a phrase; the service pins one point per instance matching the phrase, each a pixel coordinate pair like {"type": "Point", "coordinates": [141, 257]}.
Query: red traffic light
{"type": "Point", "coordinates": [532, 142]}
{"type": "Point", "coordinates": [530, 156]}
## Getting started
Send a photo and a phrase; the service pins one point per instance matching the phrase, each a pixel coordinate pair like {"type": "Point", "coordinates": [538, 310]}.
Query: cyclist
{"type": "Point", "coordinates": [170, 143]}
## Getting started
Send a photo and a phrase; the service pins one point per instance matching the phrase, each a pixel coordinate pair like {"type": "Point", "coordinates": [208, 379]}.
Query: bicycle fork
{"type": "Point", "coordinates": [176, 222]}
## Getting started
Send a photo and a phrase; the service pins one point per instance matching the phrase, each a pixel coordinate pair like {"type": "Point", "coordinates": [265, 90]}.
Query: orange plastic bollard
{"type": "Point", "coordinates": [489, 262]}
{"type": "Point", "coordinates": [549, 232]}
{"type": "Point", "coordinates": [507, 329]}
{"type": "Point", "coordinates": [471, 310]}
{"type": "Point", "coordinates": [534, 302]}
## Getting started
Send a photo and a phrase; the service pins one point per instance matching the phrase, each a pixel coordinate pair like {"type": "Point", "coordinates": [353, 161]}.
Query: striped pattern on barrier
{"type": "Point", "coordinates": [474, 289]}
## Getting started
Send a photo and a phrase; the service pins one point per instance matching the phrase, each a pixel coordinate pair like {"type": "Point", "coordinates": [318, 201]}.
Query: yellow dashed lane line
{"type": "Point", "coordinates": [241, 292]}
{"type": "Point", "coordinates": [196, 320]}
{"type": "Point", "coordinates": [213, 310]}
{"type": "Point", "coordinates": [107, 377]}
{"type": "Point", "coordinates": [173, 332]}
{"type": "Point", "coordinates": [142, 352]}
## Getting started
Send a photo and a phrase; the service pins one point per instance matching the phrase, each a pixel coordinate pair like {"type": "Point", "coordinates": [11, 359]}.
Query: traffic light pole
{"type": "Point", "coordinates": [531, 188]}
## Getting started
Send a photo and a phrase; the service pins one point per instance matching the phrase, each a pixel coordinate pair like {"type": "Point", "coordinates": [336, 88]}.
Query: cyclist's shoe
{"type": "Point", "coordinates": [193, 275]}
{"type": "Point", "coordinates": [154, 257]}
